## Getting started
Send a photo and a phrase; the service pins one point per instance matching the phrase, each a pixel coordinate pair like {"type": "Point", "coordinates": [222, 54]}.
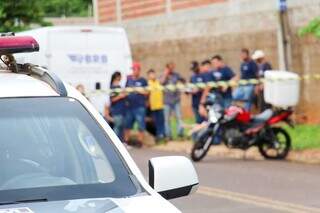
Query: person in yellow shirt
{"type": "Point", "coordinates": [156, 103]}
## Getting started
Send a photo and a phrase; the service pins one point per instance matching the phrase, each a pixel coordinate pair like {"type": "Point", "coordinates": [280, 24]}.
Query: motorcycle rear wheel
{"type": "Point", "coordinates": [279, 147]}
{"type": "Point", "coordinates": [201, 147]}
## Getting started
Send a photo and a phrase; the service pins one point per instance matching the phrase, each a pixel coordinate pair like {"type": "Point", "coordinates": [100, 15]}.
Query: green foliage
{"type": "Point", "coordinates": [312, 28]}
{"type": "Point", "coordinates": [17, 15]}
{"type": "Point", "coordinates": [305, 137]}
{"type": "Point", "coordinates": [66, 8]}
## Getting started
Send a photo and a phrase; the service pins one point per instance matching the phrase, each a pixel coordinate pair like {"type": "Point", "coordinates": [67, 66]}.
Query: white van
{"type": "Point", "coordinates": [80, 54]}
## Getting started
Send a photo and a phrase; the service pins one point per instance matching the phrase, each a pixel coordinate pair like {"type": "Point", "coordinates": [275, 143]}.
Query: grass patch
{"type": "Point", "coordinates": [186, 122]}
{"type": "Point", "coordinates": [305, 137]}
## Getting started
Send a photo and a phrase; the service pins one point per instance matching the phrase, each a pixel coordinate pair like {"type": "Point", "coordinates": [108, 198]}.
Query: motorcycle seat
{"type": "Point", "coordinates": [263, 117]}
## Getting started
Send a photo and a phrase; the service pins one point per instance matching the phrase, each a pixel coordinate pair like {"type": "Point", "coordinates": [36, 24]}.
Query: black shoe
{"type": "Point", "coordinates": [167, 139]}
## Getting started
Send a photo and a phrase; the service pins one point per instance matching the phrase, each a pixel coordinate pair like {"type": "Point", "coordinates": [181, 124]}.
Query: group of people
{"type": "Point", "coordinates": [215, 69]}
{"type": "Point", "coordinates": [129, 109]}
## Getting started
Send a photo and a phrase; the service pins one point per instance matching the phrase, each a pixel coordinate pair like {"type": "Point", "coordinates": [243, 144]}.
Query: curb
{"type": "Point", "coordinates": [305, 156]}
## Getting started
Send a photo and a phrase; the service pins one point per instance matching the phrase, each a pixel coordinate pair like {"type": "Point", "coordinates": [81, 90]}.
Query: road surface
{"type": "Point", "coordinates": [230, 185]}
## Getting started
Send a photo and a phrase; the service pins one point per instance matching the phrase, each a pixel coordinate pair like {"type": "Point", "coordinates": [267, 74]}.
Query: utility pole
{"type": "Point", "coordinates": [95, 11]}
{"type": "Point", "coordinates": [284, 44]}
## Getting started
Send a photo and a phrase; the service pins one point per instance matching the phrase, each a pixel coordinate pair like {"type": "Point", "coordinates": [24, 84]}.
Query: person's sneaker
{"type": "Point", "coordinates": [135, 143]}
{"type": "Point", "coordinates": [160, 141]}
{"type": "Point", "coordinates": [168, 139]}
{"type": "Point", "coordinates": [181, 137]}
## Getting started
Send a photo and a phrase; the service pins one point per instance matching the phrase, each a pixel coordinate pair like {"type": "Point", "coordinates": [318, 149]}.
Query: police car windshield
{"type": "Point", "coordinates": [54, 148]}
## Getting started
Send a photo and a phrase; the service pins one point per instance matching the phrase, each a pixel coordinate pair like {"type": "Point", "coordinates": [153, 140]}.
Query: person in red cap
{"type": "Point", "coordinates": [136, 108]}
{"type": "Point", "coordinates": [136, 66]}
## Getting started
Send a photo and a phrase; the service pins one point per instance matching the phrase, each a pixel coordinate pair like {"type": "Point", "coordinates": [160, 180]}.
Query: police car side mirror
{"type": "Point", "coordinates": [173, 176]}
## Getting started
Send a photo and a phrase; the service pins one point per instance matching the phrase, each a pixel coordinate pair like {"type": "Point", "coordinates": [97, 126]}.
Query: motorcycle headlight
{"type": "Point", "coordinates": [215, 114]}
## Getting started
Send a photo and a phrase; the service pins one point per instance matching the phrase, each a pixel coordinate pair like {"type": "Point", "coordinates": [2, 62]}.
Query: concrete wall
{"type": "Point", "coordinates": [225, 28]}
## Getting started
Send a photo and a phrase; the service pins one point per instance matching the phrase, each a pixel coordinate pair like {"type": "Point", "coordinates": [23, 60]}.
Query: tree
{"type": "Point", "coordinates": [17, 15]}
{"type": "Point", "coordinates": [312, 28]}
{"type": "Point", "coordinates": [66, 8]}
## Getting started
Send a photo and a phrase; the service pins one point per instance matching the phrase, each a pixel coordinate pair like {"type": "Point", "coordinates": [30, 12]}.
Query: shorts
{"type": "Point", "coordinates": [136, 115]}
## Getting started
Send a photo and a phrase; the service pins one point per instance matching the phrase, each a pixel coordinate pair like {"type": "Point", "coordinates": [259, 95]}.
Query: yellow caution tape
{"type": "Point", "coordinates": [213, 85]}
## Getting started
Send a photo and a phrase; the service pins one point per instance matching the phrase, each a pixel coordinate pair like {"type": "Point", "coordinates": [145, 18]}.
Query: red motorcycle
{"type": "Point", "coordinates": [238, 129]}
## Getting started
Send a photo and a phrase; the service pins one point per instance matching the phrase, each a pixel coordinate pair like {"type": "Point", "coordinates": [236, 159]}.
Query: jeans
{"type": "Point", "coordinates": [158, 118]}
{"type": "Point", "coordinates": [118, 125]}
{"type": "Point", "coordinates": [138, 115]}
{"type": "Point", "coordinates": [199, 119]}
{"type": "Point", "coordinates": [168, 109]}
{"type": "Point", "coordinates": [245, 93]}
{"type": "Point", "coordinates": [226, 102]}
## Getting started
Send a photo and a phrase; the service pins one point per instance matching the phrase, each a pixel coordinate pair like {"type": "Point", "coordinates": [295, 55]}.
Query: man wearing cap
{"type": "Point", "coordinates": [136, 108]}
{"type": "Point", "coordinates": [263, 65]}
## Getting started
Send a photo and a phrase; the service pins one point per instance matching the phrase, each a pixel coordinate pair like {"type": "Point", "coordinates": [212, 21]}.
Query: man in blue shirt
{"type": "Point", "coordinates": [223, 73]}
{"type": "Point", "coordinates": [248, 70]}
{"type": "Point", "coordinates": [206, 71]}
{"type": "Point", "coordinates": [196, 92]}
{"type": "Point", "coordinates": [136, 108]}
{"type": "Point", "coordinates": [172, 99]}
{"type": "Point", "coordinates": [203, 75]}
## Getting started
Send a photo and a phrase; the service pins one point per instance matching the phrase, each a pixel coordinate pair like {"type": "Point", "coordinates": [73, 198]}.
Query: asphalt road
{"type": "Point", "coordinates": [230, 185]}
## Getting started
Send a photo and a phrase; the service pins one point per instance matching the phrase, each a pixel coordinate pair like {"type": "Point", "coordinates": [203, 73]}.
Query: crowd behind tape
{"type": "Point", "coordinates": [188, 87]}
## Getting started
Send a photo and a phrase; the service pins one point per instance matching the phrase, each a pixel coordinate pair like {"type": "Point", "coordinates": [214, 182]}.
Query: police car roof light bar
{"type": "Point", "coordinates": [10, 44]}
{"type": "Point", "coordinates": [17, 44]}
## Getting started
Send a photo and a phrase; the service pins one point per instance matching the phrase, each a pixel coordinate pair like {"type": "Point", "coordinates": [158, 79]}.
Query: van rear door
{"type": "Point", "coordinates": [88, 55]}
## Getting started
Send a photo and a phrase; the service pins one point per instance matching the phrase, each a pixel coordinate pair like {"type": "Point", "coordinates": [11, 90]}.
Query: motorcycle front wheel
{"type": "Point", "coordinates": [277, 144]}
{"type": "Point", "coordinates": [201, 146]}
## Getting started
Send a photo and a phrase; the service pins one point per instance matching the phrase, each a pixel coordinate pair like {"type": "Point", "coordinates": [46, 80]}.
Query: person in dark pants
{"type": "Point", "coordinates": [223, 73]}
{"type": "Point", "coordinates": [118, 105]}
{"type": "Point", "coordinates": [248, 70]}
{"type": "Point", "coordinates": [208, 75]}
{"type": "Point", "coordinates": [196, 93]}
{"type": "Point", "coordinates": [156, 104]}
{"type": "Point", "coordinates": [172, 100]}
{"type": "Point", "coordinates": [263, 66]}
{"type": "Point", "coordinates": [136, 108]}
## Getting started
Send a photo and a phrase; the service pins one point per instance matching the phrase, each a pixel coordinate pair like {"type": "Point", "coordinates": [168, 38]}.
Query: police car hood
{"type": "Point", "coordinates": [138, 204]}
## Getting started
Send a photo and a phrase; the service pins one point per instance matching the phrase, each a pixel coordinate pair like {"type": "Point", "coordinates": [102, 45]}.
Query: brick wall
{"type": "Point", "coordinates": [184, 4]}
{"type": "Point", "coordinates": [131, 9]}
{"type": "Point", "coordinates": [140, 8]}
{"type": "Point", "coordinates": [107, 11]}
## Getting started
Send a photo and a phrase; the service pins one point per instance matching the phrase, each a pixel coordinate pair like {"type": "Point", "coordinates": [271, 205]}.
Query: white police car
{"type": "Point", "coordinates": [59, 155]}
